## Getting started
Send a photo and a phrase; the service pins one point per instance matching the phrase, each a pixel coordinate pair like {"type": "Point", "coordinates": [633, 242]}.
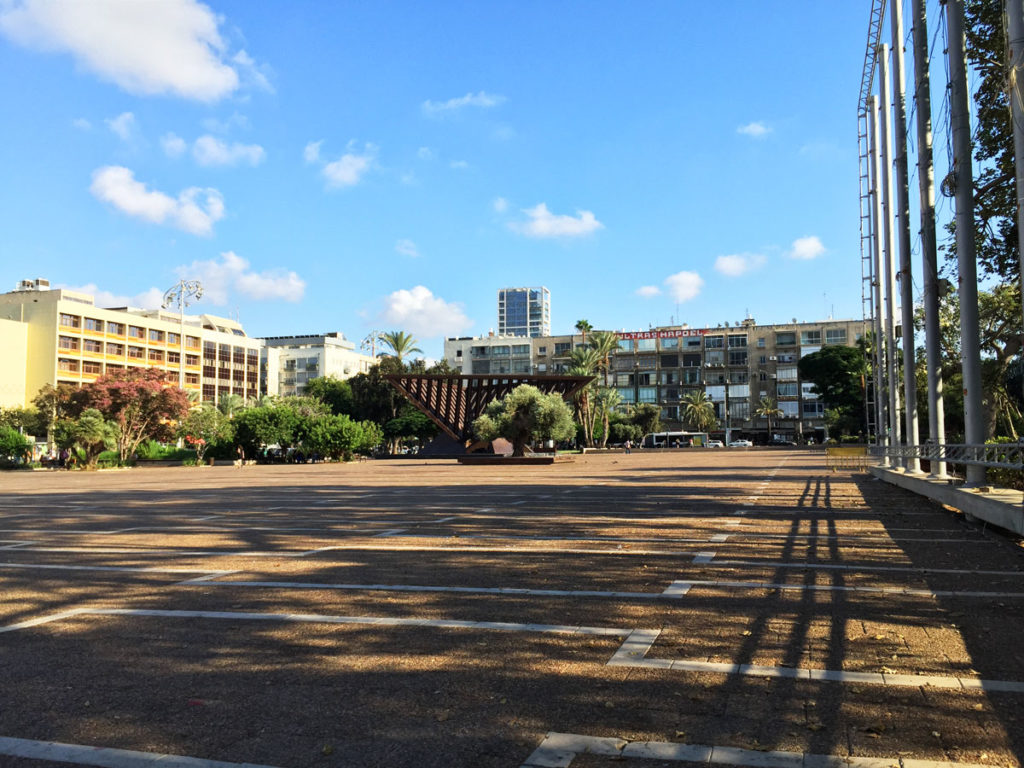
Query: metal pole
{"type": "Point", "coordinates": [967, 268]}
{"type": "Point", "coordinates": [727, 429]}
{"type": "Point", "coordinates": [1015, 53]}
{"type": "Point", "coordinates": [890, 263]}
{"type": "Point", "coordinates": [913, 462]}
{"type": "Point", "coordinates": [929, 258]}
{"type": "Point", "coordinates": [881, 406]}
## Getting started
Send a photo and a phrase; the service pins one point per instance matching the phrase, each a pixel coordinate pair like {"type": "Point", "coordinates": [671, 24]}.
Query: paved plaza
{"type": "Point", "coordinates": [740, 607]}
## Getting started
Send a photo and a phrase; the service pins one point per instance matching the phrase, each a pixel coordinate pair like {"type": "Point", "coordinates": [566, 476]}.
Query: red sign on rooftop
{"type": "Point", "coordinates": [670, 334]}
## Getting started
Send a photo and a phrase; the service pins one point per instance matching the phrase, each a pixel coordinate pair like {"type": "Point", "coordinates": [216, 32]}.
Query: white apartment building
{"type": "Point", "coordinates": [288, 363]}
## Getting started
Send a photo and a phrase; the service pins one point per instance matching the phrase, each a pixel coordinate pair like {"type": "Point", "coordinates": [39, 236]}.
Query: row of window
{"type": "Point", "coordinates": [153, 335]}
{"type": "Point", "coordinates": [95, 347]}
{"type": "Point", "coordinates": [93, 367]}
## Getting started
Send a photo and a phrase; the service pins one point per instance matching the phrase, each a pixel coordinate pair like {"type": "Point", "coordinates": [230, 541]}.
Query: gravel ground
{"type": "Point", "coordinates": [786, 563]}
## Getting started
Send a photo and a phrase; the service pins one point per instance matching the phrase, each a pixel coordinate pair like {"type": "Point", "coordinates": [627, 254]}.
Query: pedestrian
{"type": "Point", "coordinates": [629, 446]}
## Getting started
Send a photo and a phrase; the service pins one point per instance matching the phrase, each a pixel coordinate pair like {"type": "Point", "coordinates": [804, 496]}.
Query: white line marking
{"type": "Point", "coordinates": [885, 568]}
{"type": "Point", "coordinates": [827, 588]}
{"type": "Point", "coordinates": [114, 568]}
{"type": "Point", "coordinates": [559, 750]}
{"type": "Point", "coordinates": [106, 757]}
{"type": "Point", "coordinates": [704, 557]}
{"type": "Point", "coordinates": [389, 532]}
{"type": "Point", "coordinates": [677, 589]}
{"type": "Point", "coordinates": [719, 538]}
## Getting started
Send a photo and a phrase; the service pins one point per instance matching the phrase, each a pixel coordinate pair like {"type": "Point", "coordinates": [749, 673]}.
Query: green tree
{"type": "Point", "coordinates": [583, 363]}
{"type": "Point", "coordinates": [13, 444]}
{"type": "Point", "coordinates": [768, 409]}
{"type": "Point", "coordinates": [338, 436]}
{"type": "Point", "coordinates": [410, 423]}
{"type": "Point", "coordinates": [205, 426]}
{"type": "Point", "coordinates": [262, 426]}
{"type": "Point", "coordinates": [231, 404]}
{"type": "Point", "coordinates": [524, 416]}
{"type": "Point", "coordinates": [333, 392]}
{"type": "Point", "coordinates": [401, 344]}
{"type": "Point", "coordinates": [838, 375]}
{"type": "Point", "coordinates": [647, 418]}
{"type": "Point", "coordinates": [606, 400]}
{"type": "Point", "coordinates": [699, 411]}
{"type": "Point", "coordinates": [55, 403]}
{"type": "Point", "coordinates": [29, 421]}
{"type": "Point", "coordinates": [584, 327]}
{"type": "Point", "coordinates": [604, 343]}
{"type": "Point", "coordinates": [90, 434]}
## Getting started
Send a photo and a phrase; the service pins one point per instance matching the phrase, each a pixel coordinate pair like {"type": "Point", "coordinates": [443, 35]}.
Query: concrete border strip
{"type": "Point", "coordinates": [106, 757]}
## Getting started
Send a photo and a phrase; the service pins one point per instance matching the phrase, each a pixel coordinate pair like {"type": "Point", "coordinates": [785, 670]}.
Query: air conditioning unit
{"type": "Point", "coordinates": [773, 358]}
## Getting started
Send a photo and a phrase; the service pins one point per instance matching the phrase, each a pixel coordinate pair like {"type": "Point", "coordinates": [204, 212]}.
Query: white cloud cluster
{"type": "Point", "coordinates": [407, 248]}
{"type": "Point", "coordinates": [736, 264]}
{"type": "Point", "coordinates": [806, 248]}
{"type": "Point", "coordinates": [232, 273]}
{"type": "Point", "coordinates": [122, 126]}
{"type": "Point", "coordinates": [423, 314]}
{"type": "Point", "coordinates": [500, 204]}
{"type": "Point", "coordinates": [756, 129]}
{"type": "Point", "coordinates": [81, 124]}
{"type": "Point", "coordinates": [648, 291]}
{"type": "Point", "coordinates": [151, 299]}
{"type": "Point", "coordinates": [195, 210]}
{"type": "Point", "coordinates": [209, 150]}
{"type": "Point", "coordinates": [543, 223]}
{"type": "Point", "coordinates": [349, 169]}
{"type": "Point", "coordinates": [311, 152]}
{"type": "Point", "coordinates": [479, 99]}
{"type": "Point", "coordinates": [168, 47]}
{"type": "Point", "coordinates": [683, 286]}
{"type": "Point", "coordinates": [173, 145]}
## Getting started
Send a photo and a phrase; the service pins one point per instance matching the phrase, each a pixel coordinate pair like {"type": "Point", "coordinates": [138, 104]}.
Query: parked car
{"type": "Point", "coordinates": [715, 444]}
{"type": "Point", "coordinates": [741, 443]}
{"type": "Point", "coordinates": [778, 441]}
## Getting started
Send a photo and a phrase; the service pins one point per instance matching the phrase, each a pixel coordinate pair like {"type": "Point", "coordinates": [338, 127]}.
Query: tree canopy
{"type": "Point", "coordinates": [525, 415]}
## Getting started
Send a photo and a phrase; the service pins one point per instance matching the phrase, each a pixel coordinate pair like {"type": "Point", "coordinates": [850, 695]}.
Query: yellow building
{"type": "Point", "coordinates": [63, 337]}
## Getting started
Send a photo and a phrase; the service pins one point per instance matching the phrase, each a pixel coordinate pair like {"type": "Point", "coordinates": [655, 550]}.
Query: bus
{"type": "Point", "coordinates": [674, 440]}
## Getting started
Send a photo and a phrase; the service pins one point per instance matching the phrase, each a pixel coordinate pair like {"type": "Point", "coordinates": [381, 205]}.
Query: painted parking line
{"type": "Point", "coordinates": [909, 592]}
{"type": "Point", "coordinates": [858, 567]}
{"type": "Point", "coordinates": [115, 569]}
{"type": "Point", "coordinates": [558, 750]}
{"type": "Point", "coordinates": [106, 757]}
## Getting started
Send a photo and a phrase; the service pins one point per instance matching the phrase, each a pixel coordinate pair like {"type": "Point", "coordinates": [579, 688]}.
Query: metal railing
{"type": "Point", "coordinates": [993, 455]}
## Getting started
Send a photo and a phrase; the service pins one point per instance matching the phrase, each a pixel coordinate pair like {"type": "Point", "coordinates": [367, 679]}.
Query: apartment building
{"type": "Point", "coordinates": [736, 366]}
{"type": "Point", "coordinates": [288, 363]}
{"type": "Point", "coordinates": [69, 340]}
{"type": "Point", "coordinates": [524, 312]}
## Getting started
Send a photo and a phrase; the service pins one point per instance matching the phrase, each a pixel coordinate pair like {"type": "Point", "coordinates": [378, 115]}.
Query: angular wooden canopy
{"type": "Point", "coordinates": [454, 401]}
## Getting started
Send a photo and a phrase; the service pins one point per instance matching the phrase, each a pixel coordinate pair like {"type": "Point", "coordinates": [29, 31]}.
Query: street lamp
{"type": "Point", "coordinates": [180, 294]}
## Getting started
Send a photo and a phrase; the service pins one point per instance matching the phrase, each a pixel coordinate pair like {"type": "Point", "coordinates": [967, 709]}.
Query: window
{"type": "Point", "coordinates": [209, 350]}
{"type": "Point", "coordinates": [739, 409]}
{"type": "Point", "coordinates": [91, 366]}
{"type": "Point", "coordinates": [70, 321]}
{"type": "Point", "coordinates": [562, 348]}
{"type": "Point", "coordinates": [156, 355]}
{"type": "Point", "coordinates": [191, 359]}
{"type": "Point", "coordinates": [693, 342]}
{"type": "Point", "coordinates": [92, 346]}
{"type": "Point", "coordinates": [114, 367]}
{"type": "Point", "coordinates": [67, 366]}
{"type": "Point", "coordinates": [136, 332]}
{"type": "Point", "coordinates": [805, 351]}
{"type": "Point", "coordinates": [238, 357]}
{"type": "Point", "coordinates": [763, 359]}
{"type": "Point", "coordinates": [209, 371]}
{"type": "Point", "coordinates": [224, 353]}
{"type": "Point", "coordinates": [520, 349]}
{"type": "Point", "coordinates": [737, 342]}
{"type": "Point", "coordinates": [116, 329]}
{"type": "Point", "coordinates": [670, 361]}
{"type": "Point", "coordinates": [835, 336]}
{"type": "Point", "coordinates": [520, 366]}
{"type": "Point", "coordinates": [542, 350]}
{"type": "Point", "coordinates": [790, 409]}
{"type": "Point", "coordinates": [92, 324]}
{"type": "Point", "coordinates": [501, 350]}
{"type": "Point", "coordinates": [714, 342]}
{"type": "Point", "coordinates": [174, 357]}
{"type": "Point", "coordinates": [737, 357]}
{"type": "Point", "coordinates": [68, 343]}
{"type": "Point", "coordinates": [192, 342]}
{"type": "Point", "coordinates": [646, 345]}
{"type": "Point", "coordinates": [760, 343]}
{"type": "Point", "coordinates": [787, 373]}
{"type": "Point", "coordinates": [479, 351]}
{"type": "Point", "coordinates": [738, 377]}
{"type": "Point", "coordinates": [691, 360]}
{"type": "Point", "coordinates": [115, 349]}
{"type": "Point", "coordinates": [787, 389]}
{"type": "Point", "coordinates": [626, 345]}
{"type": "Point", "coordinates": [623, 379]}
{"type": "Point", "coordinates": [646, 378]}
{"type": "Point", "coordinates": [648, 394]}
{"type": "Point", "coordinates": [173, 338]}
{"type": "Point", "coordinates": [192, 378]}
{"type": "Point", "coordinates": [814, 410]}
{"type": "Point", "coordinates": [716, 392]}
{"type": "Point", "coordinates": [714, 357]}
{"type": "Point", "coordinates": [669, 377]}
{"type": "Point", "coordinates": [481, 366]}
{"type": "Point", "coordinates": [807, 391]}
{"type": "Point", "coordinates": [810, 337]}
{"type": "Point", "coordinates": [627, 394]}
{"type": "Point", "coordinates": [785, 339]}
{"type": "Point", "coordinates": [209, 392]}
{"type": "Point", "coordinates": [136, 353]}
{"type": "Point", "coordinates": [672, 343]}
{"type": "Point", "coordinates": [739, 392]}
{"type": "Point", "coordinates": [156, 336]}
{"type": "Point", "coordinates": [691, 376]}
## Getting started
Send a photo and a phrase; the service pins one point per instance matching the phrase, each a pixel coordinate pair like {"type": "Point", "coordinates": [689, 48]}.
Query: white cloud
{"type": "Point", "coordinates": [217, 125]}
{"type": "Point", "coordinates": [407, 248]}
{"type": "Point", "coordinates": [311, 153]}
{"type": "Point", "coordinates": [500, 204]}
{"type": "Point", "coordinates": [543, 223]}
{"type": "Point", "coordinates": [348, 170]}
{"type": "Point", "coordinates": [147, 48]}
{"type": "Point", "coordinates": [479, 99]}
{"type": "Point", "coordinates": [756, 129]}
{"type": "Point", "coordinates": [123, 125]}
{"type": "Point", "coordinates": [423, 314]}
{"type": "Point", "coordinates": [151, 299]}
{"type": "Point", "coordinates": [173, 145]}
{"type": "Point", "coordinates": [195, 210]}
{"type": "Point", "coordinates": [459, 165]}
{"type": "Point", "coordinates": [425, 153]}
{"type": "Point", "coordinates": [736, 264]}
{"type": "Point", "coordinates": [683, 286]}
{"type": "Point", "coordinates": [81, 124]}
{"type": "Point", "coordinates": [232, 274]}
{"type": "Point", "coordinates": [648, 291]}
{"type": "Point", "coordinates": [806, 248]}
{"type": "Point", "coordinates": [209, 150]}
{"type": "Point", "coordinates": [251, 72]}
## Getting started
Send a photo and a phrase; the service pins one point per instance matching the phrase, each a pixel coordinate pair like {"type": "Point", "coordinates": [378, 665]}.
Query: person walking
{"type": "Point", "coordinates": [629, 446]}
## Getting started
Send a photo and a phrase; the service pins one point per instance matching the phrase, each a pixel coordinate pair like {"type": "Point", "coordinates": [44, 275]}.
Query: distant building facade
{"type": "Point", "coordinates": [288, 363]}
{"type": "Point", "coordinates": [524, 312]}
{"type": "Point", "coordinates": [69, 340]}
{"type": "Point", "coordinates": [740, 365]}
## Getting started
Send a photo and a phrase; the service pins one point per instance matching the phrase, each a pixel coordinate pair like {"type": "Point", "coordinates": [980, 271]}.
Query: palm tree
{"type": "Point", "coordinates": [769, 409]}
{"type": "Point", "coordinates": [699, 411]}
{"type": "Point", "coordinates": [584, 362]}
{"type": "Point", "coordinates": [401, 344]}
{"type": "Point", "coordinates": [583, 326]}
{"type": "Point", "coordinates": [605, 401]}
{"type": "Point", "coordinates": [229, 405]}
{"type": "Point", "coordinates": [604, 343]}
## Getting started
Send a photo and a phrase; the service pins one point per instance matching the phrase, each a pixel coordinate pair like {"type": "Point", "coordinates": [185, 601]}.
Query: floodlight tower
{"type": "Point", "coordinates": [179, 295]}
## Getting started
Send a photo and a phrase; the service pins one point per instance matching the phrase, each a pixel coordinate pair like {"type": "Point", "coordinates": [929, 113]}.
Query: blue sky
{"type": "Point", "coordinates": [390, 165]}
